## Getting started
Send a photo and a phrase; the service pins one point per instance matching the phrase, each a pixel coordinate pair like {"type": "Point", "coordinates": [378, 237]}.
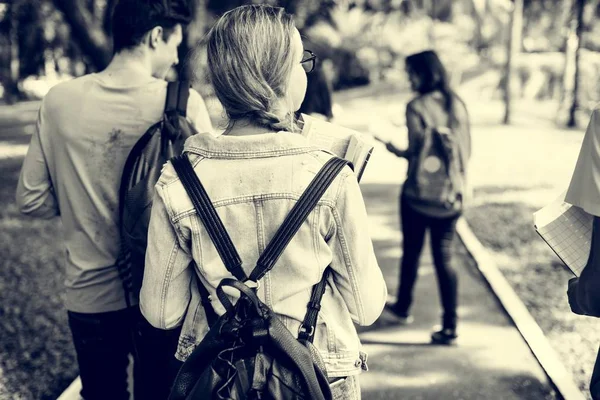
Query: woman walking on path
{"type": "Point", "coordinates": [433, 194]}
{"type": "Point", "coordinates": [254, 173]}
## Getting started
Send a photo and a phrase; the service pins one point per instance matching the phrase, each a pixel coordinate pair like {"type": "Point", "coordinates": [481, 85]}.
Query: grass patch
{"type": "Point", "coordinates": [540, 280]}
{"type": "Point", "coordinates": [503, 227]}
{"type": "Point", "coordinates": [36, 355]}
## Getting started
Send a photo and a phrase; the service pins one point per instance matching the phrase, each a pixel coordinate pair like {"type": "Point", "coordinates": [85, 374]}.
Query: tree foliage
{"type": "Point", "coordinates": [79, 30]}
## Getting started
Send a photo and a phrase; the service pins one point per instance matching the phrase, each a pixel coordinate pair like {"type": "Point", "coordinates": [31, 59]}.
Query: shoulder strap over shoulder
{"type": "Point", "coordinates": [207, 213]}
{"type": "Point", "coordinates": [296, 216]}
{"type": "Point", "coordinates": [177, 97]}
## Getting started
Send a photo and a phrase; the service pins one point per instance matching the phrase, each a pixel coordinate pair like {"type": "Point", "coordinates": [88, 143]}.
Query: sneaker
{"type": "Point", "coordinates": [400, 317]}
{"type": "Point", "coordinates": [444, 336]}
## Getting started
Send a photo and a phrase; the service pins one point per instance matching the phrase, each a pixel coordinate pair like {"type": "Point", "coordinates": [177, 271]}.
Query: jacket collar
{"type": "Point", "coordinates": [270, 144]}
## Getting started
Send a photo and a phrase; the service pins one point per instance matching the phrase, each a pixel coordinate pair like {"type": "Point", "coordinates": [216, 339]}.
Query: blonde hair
{"type": "Point", "coordinates": [250, 63]}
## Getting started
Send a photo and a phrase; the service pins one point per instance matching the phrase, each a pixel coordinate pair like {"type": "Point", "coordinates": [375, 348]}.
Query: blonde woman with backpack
{"type": "Point", "coordinates": [253, 174]}
{"type": "Point", "coordinates": [434, 192]}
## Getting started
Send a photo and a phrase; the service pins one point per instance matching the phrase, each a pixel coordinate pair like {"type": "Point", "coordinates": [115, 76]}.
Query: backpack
{"type": "Point", "coordinates": [248, 353]}
{"type": "Point", "coordinates": [143, 167]}
{"type": "Point", "coordinates": [438, 178]}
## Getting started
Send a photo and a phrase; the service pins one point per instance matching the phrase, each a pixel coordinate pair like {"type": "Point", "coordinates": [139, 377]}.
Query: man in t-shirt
{"type": "Point", "coordinates": [85, 131]}
{"type": "Point", "coordinates": [584, 192]}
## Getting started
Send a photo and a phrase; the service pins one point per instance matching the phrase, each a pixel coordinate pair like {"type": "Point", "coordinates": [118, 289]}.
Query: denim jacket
{"type": "Point", "coordinates": [253, 182]}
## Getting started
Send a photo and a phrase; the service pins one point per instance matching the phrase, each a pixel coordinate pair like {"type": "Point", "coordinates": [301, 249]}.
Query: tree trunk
{"type": "Point", "coordinates": [512, 50]}
{"type": "Point", "coordinates": [89, 33]}
{"type": "Point", "coordinates": [572, 121]}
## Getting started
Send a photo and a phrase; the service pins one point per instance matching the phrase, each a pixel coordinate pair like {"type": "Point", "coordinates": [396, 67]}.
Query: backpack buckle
{"type": "Point", "coordinates": [254, 285]}
{"type": "Point", "coordinates": [302, 329]}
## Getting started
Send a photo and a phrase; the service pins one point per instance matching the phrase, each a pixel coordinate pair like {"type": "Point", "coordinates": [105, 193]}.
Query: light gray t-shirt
{"type": "Point", "coordinates": [85, 131]}
{"type": "Point", "coordinates": [584, 188]}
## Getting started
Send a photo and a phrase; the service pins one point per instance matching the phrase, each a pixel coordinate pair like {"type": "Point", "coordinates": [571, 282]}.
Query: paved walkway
{"type": "Point", "coordinates": [490, 360]}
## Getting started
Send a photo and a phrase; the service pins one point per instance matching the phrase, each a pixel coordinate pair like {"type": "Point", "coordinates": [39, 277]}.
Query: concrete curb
{"type": "Point", "coordinates": [560, 378]}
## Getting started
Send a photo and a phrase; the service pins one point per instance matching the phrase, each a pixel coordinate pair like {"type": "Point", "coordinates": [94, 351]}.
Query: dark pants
{"type": "Point", "coordinates": [103, 342]}
{"type": "Point", "coordinates": [595, 380]}
{"type": "Point", "coordinates": [442, 231]}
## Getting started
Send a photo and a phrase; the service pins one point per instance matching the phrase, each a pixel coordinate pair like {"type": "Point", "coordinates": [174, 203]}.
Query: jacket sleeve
{"type": "Point", "coordinates": [356, 272]}
{"type": "Point", "coordinates": [35, 194]}
{"type": "Point", "coordinates": [584, 292]}
{"type": "Point", "coordinates": [166, 292]}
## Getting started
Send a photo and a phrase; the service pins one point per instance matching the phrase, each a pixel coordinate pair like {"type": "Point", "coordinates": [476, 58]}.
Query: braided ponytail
{"type": "Point", "coordinates": [250, 64]}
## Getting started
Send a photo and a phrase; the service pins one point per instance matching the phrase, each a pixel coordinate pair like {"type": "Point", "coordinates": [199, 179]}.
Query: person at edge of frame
{"type": "Point", "coordinates": [583, 292]}
{"type": "Point", "coordinates": [85, 130]}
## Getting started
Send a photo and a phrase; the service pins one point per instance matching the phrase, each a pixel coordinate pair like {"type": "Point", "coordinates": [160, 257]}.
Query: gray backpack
{"type": "Point", "coordinates": [438, 179]}
{"type": "Point", "coordinates": [161, 142]}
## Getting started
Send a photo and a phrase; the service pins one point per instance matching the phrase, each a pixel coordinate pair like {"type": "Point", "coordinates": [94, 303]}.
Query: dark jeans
{"type": "Point", "coordinates": [103, 342]}
{"type": "Point", "coordinates": [442, 231]}
{"type": "Point", "coordinates": [595, 380]}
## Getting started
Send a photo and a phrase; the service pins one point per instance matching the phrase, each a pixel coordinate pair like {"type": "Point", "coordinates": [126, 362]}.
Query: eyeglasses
{"type": "Point", "coordinates": [308, 61]}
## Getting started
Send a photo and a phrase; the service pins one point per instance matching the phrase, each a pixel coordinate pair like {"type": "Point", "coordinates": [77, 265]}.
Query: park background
{"type": "Point", "coordinates": [528, 71]}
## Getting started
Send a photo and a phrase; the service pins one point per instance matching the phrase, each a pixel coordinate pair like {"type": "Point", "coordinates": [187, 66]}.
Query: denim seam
{"type": "Point", "coordinates": [194, 161]}
{"type": "Point", "coordinates": [331, 347]}
{"type": "Point", "coordinates": [315, 235]}
{"type": "Point", "coordinates": [172, 256]}
{"type": "Point", "coordinates": [195, 226]}
{"type": "Point", "coordinates": [165, 195]}
{"type": "Point", "coordinates": [252, 198]}
{"type": "Point", "coordinates": [343, 372]}
{"type": "Point", "coordinates": [340, 184]}
{"type": "Point", "coordinates": [166, 198]}
{"type": "Point", "coordinates": [248, 154]}
{"type": "Point", "coordinates": [166, 282]}
{"type": "Point", "coordinates": [342, 355]}
{"type": "Point", "coordinates": [179, 233]}
{"type": "Point", "coordinates": [331, 228]}
{"type": "Point", "coordinates": [348, 264]}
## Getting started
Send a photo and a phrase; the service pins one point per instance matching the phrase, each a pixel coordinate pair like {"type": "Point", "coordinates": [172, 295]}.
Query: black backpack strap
{"type": "Point", "coordinates": [208, 215]}
{"type": "Point", "coordinates": [307, 328]}
{"type": "Point", "coordinates": [296, 216]}
{"type": "Point", "coordinates": [177, 97]}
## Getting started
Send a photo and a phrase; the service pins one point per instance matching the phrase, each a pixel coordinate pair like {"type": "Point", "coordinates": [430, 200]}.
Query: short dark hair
{"type": "Point", "coordinates": [132, 19]}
